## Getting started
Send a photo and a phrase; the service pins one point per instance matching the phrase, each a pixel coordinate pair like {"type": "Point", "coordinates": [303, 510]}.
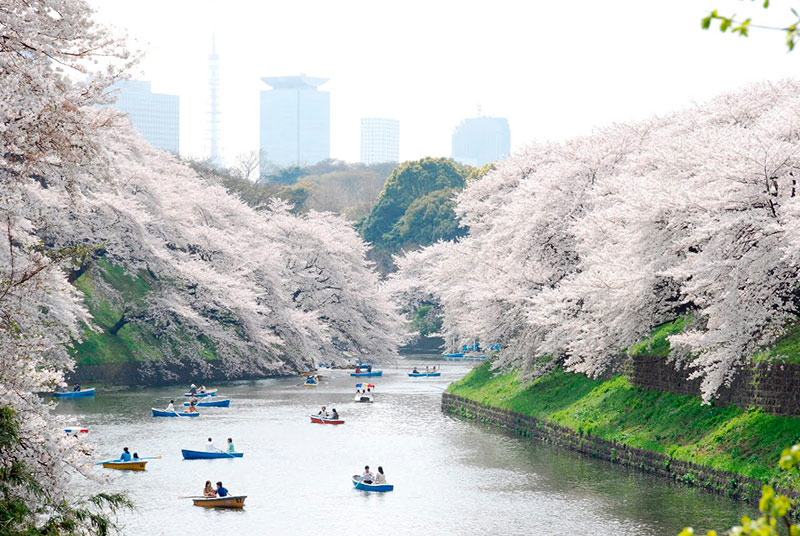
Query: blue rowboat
{"type": "Point", "coordinates": [357, 484]}
{"type": "Point", "coordinates": [203, 455]}
{"type": "Point", "coordinates": [212, 392]}
{"type": "Point", "coordinates": [457, 354]}
{"type": "Point", "coordinates": [213, 403]}
{"type": "Point", "coordinates": [424, 374]}
{"type": "Point", "coordinates": [366, 374]}
{"type": "Point", "coordinates": [162, 413]}
{"type": "Point", "coordinates": [75, 394]}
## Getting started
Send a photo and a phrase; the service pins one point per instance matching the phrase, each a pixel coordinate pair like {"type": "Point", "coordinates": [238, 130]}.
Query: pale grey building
{"type": "Point", "coordinates": [380, 140]}
{"type": "Point", "coordinates": [295, 122]}
{"type": "Point", "coordinates": [481, 140]}
{"type": "Point", "coordinates": [155, 116]}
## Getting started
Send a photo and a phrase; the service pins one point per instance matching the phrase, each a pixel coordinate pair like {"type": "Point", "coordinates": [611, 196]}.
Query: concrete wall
{"type": "Point", "coordinates": [772, 386]}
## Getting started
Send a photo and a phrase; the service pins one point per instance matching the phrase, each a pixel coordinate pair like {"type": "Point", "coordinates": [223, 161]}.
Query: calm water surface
{"type": "Point", "coordinates": [450, 476]}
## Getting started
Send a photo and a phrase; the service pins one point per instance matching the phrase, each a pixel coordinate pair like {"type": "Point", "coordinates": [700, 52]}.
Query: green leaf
{"type": "Point", "coordinates": [724, 25]}
{"type": "Point", "coordinates": [766, 4]}
{"type": "Point", "coordinates": [706, 22]}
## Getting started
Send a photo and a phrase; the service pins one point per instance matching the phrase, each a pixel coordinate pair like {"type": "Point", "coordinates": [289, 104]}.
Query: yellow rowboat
{"type": "Point", "coordinates": [236, 501]}
{"type": "Point", "coordinates": [126, 466]}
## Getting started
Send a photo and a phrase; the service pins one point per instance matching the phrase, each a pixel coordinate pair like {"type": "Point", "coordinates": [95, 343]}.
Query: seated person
{"type": "Point", "coordinates": [323, 412]}
{"type": "Point", "coordinates": [193, 390]}
{"type": "Point", "coordinates": [208, 491]}
{"type": "Point", "coordinates": [231, 448]}
{"type": "Point", "coordinates": [170, 406]}
{"type": "Point", "coordinates": [335, 414]}
{"type": "Point", "coordinates": [192, 408]}
{"type": "Point", "coordinates": [221, 492]}
{"type": "Point", "coordinates": [76, 388]}
{"type": "Point", "coordinates": [380, 478]}
{"type": "Point", "coordinates": [135, 456]}
{"type": "Point", "coordinates": [125, 456]}
{"type": "Point", "coordinates": [367, 477]}
{"type": "Point", "coordinates": [210, 447]}
{"type": "Point", "coordinates": [415, 371]}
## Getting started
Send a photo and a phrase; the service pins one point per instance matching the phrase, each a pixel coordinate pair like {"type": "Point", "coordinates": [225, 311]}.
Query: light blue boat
{"type": "Point", "coordinates": [75, 394]}
{"type": "Point", "coordinates": [423, 374]}
{"type": "Point", "coordinates": [367, 374]}
{"type": "Point", "coordinates": [212, 403]}
{"type": "Point", "coordinates": [357, 484]}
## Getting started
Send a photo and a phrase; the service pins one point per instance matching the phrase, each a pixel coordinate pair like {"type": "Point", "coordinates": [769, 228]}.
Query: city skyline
{"type": "Point", "coordinates": [590, 91]}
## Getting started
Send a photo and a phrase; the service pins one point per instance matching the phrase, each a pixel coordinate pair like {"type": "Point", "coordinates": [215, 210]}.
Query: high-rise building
{"type": "Point", "coordinates": [213, 105]}
{"type": "Point", "coordinates": [295, 122]}
{"type": "Point", "coordinates": [380, 140]}
{"type": "Point", "coordinates": [154, 115]}
{"type": "Point", "coordinates": [481, 140]}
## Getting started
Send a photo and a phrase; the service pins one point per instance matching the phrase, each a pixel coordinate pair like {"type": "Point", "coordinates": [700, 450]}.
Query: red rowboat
{"type": "Point", "coordinates": [325, 420]}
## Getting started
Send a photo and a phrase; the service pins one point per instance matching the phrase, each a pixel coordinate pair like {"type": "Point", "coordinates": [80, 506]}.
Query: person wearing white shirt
{"type": "Point", "coordinates": [170, 406]}
{"type": "Point", "coordinates": [380, 478]}
{"type": "Point", "coordinates": [367, 477]}
{"type": "Point", "coordinates": [210, 447]}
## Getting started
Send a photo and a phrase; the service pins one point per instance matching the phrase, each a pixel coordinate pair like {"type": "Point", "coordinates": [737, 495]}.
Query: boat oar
{"type": "Point", "coordinates": [107, 461]}
{"type": "Point", "coordinates": [148, 458]}
{"type": "Point", "coordinates": [192, 497]}
{"type": "Point", "coordinates": [228, 453]}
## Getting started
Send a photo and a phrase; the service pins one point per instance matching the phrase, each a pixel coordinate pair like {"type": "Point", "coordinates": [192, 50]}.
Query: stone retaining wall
{"type": "Point", "coordinates": [692, 474]}
{"type": "Point", "coordinates": [772, 386]}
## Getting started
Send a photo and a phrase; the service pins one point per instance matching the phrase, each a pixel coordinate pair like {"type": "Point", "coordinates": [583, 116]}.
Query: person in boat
{"type": "Point", "coordinates": [170, 406]}
{"type": "Point", "coordinates": [231, 448]}
{"type": "Point", "coordinates": [192, 407]}
{"type": "Point", "coordinates": [193, 390]}
{"type": "Point", "coordinates": [221, 491]}
{"type": "Point", "coordinates": [415, 371]}
{"type": "Point", "coordinates": [202, 389]}
{"type": "Point", "coordinates": [135, 456]}
{"type": "Point", "coordinates": [335, 414]}
{"type": "Point", "coordinates": [367, 477]}
{"type": "Point", "coordinates": [211, 447]}
{"type": "Point", "coordinates": [208, 491]}
{"type": "Point", "coordinates": [380, 478]}
{"type": "Point", "coordinates": [126, 455]}
{"type": "Point", "coordinates": [76, 388]}
{"type": "Point", "coordinates": [323, 412]}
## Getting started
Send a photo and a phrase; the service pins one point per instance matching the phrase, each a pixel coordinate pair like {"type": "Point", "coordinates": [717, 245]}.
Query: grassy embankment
{"type": "Point", "coordinates": [108, 293]}
{"type": "Point", "coordinates": [745, 442]}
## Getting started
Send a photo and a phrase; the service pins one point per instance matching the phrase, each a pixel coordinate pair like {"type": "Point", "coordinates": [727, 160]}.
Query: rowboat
{"type": "Point", "coordinates": [212, 392]}
{"type": "Point", "coordinates": [75, 394]}
{"type": "Point", "coordinates": [363, 397]}
{"type": "Point", "coordinates": [307, 373]}
{"type": "Point", "coordinates": [456, 354]}
{"type": "Point", "coordinates": [233, 501]}
{"type": "Point", "coordinates": [423, 374]}
{"type": "Point", "coordinates": [212, 403]}
{"type": "Point", "coordinates": [367, 374]}
{"type": "Point", "coordinates": [310, 382]}
{"type": "Point", "coordinates": [357, 484]}
{"type": "Point", "coordinates": [319, 419]}
{"type": "Point", "coordinates": [137, 465]}
{"type": "Point", "coordinates": [162, 413]}
{"type": "Point", "coordinates": [205, 455]}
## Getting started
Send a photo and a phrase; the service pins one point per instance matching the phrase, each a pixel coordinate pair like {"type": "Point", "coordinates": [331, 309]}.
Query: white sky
{"type": "Point", "coordinates": [555, 69]}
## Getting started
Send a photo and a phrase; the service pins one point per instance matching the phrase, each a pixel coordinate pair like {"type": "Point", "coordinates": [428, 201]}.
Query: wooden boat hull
{"type": "Point", "coordinates": [363, 400]}
{"type": "Point", "coordinates": [162, 413]}
{"type": "Point", "coordinates": [212, 403]}
{"type": "Point", "coordinates": [126, 466]}
{"type": "Point", "coordinates": [366, 374]}
{"type": "Point", "coordinates": [424, 374]}
{"type": "Point", "coordinates": [325, 420]}
{"type": "Point", "coordinates": [204, 455]}
{"type": "Point", "coordinates": [75, 394]}
{"type": "Point", "coordinates": [234, 502]}
{"type": "Point", "coordinates": [212, 392]}
{"type": "Point", "coordinates": [310, 384]}
{"type": "Point", "coordinates": [357, 484]}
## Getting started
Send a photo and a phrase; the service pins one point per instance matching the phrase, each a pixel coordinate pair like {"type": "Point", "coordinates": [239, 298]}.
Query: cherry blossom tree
{"type": "Point", "coordinates": [577, 250]}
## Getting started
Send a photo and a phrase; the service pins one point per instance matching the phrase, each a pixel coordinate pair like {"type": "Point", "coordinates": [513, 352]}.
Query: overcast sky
{"type": "Point", "coordinates": [554, 69]}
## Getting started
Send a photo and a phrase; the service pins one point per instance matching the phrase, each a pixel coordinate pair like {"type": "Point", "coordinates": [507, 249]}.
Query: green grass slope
{"type": "Point", "coordinates": [746, 442]}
